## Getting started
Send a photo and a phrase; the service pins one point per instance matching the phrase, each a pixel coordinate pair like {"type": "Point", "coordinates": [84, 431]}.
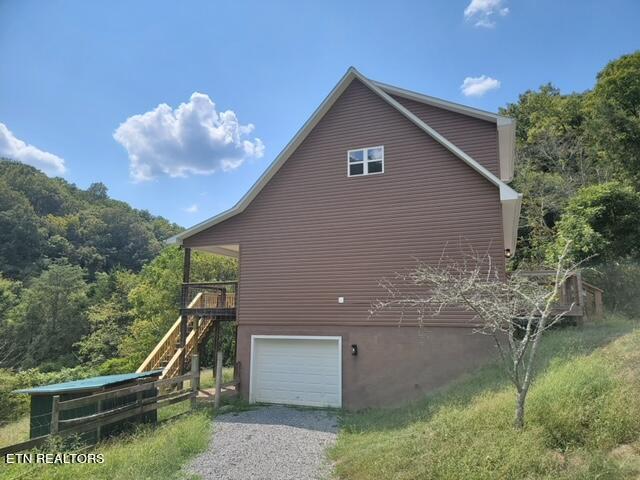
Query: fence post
{"type": "Point", "coordinates": [195, 378]}
{"type": "Point", "coordinates": [218, 379]}
{"type": "Point", "coordinates": [55, 414]}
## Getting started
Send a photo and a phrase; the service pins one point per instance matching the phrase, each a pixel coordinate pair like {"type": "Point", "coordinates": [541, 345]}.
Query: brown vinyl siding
{"type": "Point", "coordinates": [477, 138]}
{"type": "Point", "coordinates": [313, 234]}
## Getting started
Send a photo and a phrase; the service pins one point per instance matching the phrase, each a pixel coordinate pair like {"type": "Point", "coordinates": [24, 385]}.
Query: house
{"type": "Point", "coordinates": [377, 177]}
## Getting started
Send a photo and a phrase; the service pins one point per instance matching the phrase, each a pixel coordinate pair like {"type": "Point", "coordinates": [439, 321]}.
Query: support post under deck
{"type": "Point", "coordinates": [186, 277]}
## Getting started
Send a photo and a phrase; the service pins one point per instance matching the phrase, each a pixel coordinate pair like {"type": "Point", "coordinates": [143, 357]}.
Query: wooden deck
{"type": "Point", "coordinates": [215, 299]}
{"type": "Point", "coordinates": [580, 300]}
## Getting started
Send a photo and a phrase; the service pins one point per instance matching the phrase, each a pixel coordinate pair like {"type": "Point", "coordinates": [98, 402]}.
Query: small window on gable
{"type": "Point", "coordinates": [365, 161]}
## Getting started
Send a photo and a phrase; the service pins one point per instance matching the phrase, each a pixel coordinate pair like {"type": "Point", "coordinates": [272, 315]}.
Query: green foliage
{"type": "Point", "coordinates": [44, 219]}
{"type": "Point", "coordinates": [20, 236]}
{"type": "Point", "coordinates": [9, 294]}
{"type": "Point", "coordinates": [76, 253]}
{"type": "Point", "coordinates": [615, 120]}
{"type": "Point", "coordinates": [50, 318]}
{"type": "Point", "coordinates": [581, 408]}
{"type": "Point", "coordinates": [118, 365]}
{"type": "Point", "coordinates": [578, 166]}
{"type": "Point", "coordinates": [109, 316]}
{"type": "Point", "coordinates": [601, 221]}
{"type": "Point", "coordinates": [545, 195]}
{"type": "Point", "coordinates": [620, 280]}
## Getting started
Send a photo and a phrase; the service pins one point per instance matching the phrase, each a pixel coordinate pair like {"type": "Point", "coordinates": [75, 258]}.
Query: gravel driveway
{"type": "Point", "coordinates": [268, 443]}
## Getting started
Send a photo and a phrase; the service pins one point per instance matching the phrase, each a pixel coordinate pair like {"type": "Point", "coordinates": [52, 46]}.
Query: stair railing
{"type": "Point", "coordinates": [165, 349]}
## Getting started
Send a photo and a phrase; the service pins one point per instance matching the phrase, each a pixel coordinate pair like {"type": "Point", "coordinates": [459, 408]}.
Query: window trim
{"type": "Point", "coordinates": [364, 162]}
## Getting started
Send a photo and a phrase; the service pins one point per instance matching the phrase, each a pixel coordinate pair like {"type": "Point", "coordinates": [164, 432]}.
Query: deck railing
{"type": "Point", "coordinates": [217, 298]}
{"type": "Point", "coordinates": [203, 303]}
{"type": "Point", "coordinates": [577, 298]}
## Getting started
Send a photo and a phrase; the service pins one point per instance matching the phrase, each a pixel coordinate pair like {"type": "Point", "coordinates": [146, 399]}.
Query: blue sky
{"type": "Point", "coordinates": [73, 72]}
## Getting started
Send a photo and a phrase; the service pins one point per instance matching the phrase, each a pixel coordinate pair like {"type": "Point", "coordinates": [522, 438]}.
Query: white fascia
{"type": "Point", "coordinates": [506, 126]}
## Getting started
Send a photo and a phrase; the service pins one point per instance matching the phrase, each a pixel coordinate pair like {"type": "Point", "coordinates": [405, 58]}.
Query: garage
{"type": "Point", "coordinates": [296, 370]}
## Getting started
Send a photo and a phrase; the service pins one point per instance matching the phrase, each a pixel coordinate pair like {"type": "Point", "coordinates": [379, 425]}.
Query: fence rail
{"type": "Point", "coordinates": [95, 421]}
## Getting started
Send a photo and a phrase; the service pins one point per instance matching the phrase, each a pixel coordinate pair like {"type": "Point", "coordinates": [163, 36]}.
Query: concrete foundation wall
{"type": "Point", "coordinates": [394, 365]}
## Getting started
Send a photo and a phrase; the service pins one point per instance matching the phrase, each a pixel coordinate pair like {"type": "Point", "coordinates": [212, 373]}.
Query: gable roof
{"type": "Point", "coordinates": [506, 126]}
{"type": "Point", "coordinates": [510, 198]}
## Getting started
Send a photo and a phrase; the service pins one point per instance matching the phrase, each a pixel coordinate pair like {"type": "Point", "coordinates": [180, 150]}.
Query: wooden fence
{"type": "Point", "coordinates": [167, 395]}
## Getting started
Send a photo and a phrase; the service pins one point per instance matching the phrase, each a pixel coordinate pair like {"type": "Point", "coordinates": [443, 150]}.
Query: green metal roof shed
{"type": "Point", "coordinates": [42, 399]}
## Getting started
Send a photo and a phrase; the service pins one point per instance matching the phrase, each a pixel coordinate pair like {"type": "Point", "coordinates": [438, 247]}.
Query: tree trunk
{"type": "Point", "coordinates": [519, 419]}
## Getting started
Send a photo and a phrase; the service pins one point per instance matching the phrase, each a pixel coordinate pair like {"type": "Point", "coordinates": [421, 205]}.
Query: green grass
{"type": "Point", "coordinates": [583, 420]}
{"type": "Point", "coordinates": [14, 432]}
{"type": "Point", "coordinates": [150, 453]}
{"type": "Point", "coordinates": [207, 378]}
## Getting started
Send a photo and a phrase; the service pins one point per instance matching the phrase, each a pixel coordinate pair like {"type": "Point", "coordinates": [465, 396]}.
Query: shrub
{"type": "Point", "coordinates": [114, 366]}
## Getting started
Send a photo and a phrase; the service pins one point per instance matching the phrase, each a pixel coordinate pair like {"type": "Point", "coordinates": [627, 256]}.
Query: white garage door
{"type": "Point", "coordinates": [296, 370]}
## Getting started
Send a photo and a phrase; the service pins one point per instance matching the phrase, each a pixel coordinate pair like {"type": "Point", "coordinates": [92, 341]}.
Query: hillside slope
{"type": "Point", "coordinates": [46, 219]}
{"type": "Point", "coordinates": [583, 421]}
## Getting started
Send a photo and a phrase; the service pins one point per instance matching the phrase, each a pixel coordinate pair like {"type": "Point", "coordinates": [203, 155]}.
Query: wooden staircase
{"type": "Point", "coordinates": [168, 355]}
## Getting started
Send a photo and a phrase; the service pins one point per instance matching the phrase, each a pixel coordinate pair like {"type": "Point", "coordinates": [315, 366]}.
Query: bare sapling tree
{"type": "Point", "coordinates": [516, 309]}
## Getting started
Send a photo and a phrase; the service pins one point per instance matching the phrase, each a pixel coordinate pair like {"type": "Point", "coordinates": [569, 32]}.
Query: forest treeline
{"type": "Point", "coordinates": [84, 279]}
{"type": "Point", "coordinates": [578, 167]}
{"type": "Point", "coordinates": [87, 285]}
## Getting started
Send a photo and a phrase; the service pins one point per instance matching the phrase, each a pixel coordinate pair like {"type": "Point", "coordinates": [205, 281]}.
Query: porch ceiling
{"type": "Point", "coordinates": [226, 250]}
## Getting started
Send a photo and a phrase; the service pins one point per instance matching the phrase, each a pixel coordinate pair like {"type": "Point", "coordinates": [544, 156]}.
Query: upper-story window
{"type": "Point", "coordinates": [365, 161]}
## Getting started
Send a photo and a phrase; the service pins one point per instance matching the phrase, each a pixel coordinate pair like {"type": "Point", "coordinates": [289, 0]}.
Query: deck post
{"type": "Point", "coordinates": [216, 342]}
{"type": "Point", "coordinates": [186, 278]}
{"type": "Point", "coordinates": [195, 378]}
{"type": "Point", "coordinates": [580, 294]}
{"type": "Point", "coordinates": [55, 415]}
{"type": "Point", "coordinates": [218, 379]}
{"type": "Point", "coordinates": [598, 305]}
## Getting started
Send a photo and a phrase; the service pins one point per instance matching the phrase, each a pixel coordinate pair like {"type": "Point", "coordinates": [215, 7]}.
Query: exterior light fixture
{"type": "Point", "coordinates": [354, 349]}
{"type": "Point", "coordinates": [507, 253]}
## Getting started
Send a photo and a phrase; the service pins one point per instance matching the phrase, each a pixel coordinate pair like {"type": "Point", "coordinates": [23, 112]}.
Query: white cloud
{"type": "Point", "coordinates": [15, 149]}
{"type": "Point", "coordinates": [192, 208]}
{"type": "Point", "coordinates": [484, 12]}
{"type": "Point", "coordinates": [194, 139]}
{"type": "Point", "coordinates": [478, 86]}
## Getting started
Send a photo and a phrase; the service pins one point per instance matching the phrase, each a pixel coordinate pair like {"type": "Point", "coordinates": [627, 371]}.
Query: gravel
{"type": "Point", "coordinates": [269, 443]}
